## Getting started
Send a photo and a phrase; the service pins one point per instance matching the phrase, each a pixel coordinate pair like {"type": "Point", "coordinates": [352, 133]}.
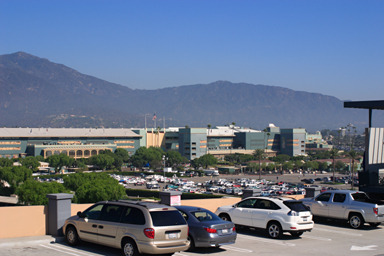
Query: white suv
{"type": "Point", "coordinates": [275, 214]}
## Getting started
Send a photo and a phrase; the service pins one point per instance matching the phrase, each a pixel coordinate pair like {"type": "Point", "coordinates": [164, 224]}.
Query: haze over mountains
{"type": "Point", "coordinates": [35, 92]}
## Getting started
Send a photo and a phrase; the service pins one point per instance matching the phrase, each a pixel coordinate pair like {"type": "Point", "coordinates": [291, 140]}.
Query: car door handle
{"type": "Point", "coordinates": [101, 227]}
{"type": "Point", "coordinates": [94, 226]}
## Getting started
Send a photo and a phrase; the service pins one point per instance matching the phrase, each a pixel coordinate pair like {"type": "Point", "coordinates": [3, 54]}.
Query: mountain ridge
{"type": "Point", "coordinates": [40, 93]}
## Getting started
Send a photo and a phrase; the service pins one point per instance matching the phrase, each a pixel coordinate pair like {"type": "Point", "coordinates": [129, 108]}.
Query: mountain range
{"type": "Point", "coordinates": [35, 92]}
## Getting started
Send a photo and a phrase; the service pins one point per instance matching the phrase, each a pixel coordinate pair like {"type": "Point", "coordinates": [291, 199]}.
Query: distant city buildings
{"type": "Point", "coordinates": [190, 142]}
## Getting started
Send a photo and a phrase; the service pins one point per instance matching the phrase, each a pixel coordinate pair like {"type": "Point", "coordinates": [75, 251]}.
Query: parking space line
{"type": "Point", "coordinates": [180, 254]}
{"type": "Point", "coordinates": [62, 247]}
{"type": "Point", "coordinates": [265, 240]}
{"type": "Point", "coordinates": [55, 249]}
{"type": "Point", "coordinates": [317, 238]}
{"type": "Point", "coordinates": [338, 232]}
{"type": "Point", "coordinates": [235, 249]}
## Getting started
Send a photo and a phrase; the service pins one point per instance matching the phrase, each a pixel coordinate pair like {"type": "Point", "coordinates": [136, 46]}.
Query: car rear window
{"type": "Point", "coordinates": [167, 218]}
{"type": "Point", "coordinates": [296, 206]}
{"type": "Point", "coordinates": [205, 216]}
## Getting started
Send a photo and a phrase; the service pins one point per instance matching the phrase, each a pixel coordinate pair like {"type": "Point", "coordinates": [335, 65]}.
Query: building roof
{"type": "Point", "coordinates": [66, 132]}
{"type": "Point", "coordinates": [373, 104]}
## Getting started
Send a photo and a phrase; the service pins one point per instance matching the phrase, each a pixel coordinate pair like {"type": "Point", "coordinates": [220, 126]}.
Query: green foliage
{"type": "Point", "coordinates": [33, 192]}
{"type": "Point", "coordinates": [339, 165]}
{"type": "Point", "coordinates": [94, 187]}
{"type": "Point", "coordinates": [204, 161]}
{"type": "Point", "coordinates": [288, 165]}
{"type": "Point", "coordinates": [100, 190]}
{"type": "Point", "coordinates": [102, 160]}
{"type": "Point", "coordinates": [5, 162]}
{"type": "Point", "coordinates": [58, 161]}
{"type": "Point", "coordinates": [123, 154]}
{"type": "Point", "coordinates": [281, 158]}
{"type": "Point", "coordinates": [150, 155]}
{"type": "Point", "coordinates": [30, 162]}
{"type": "Point", "coordinates": [15, 175]}
{"type": "Point", "coordinates": [40, 158]}
{"type": "Point", "coordinates": [323, 166]}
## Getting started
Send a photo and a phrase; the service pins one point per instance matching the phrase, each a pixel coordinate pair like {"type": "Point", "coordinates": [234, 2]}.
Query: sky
{"type": "Point", "coordinates": [332, 47]}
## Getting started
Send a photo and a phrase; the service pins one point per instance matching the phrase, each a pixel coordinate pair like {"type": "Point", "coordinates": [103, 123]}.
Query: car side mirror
{"type": "Point", "coordinates": [80, 214]}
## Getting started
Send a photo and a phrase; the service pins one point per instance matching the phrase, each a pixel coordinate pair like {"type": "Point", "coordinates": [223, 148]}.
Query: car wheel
{"type": "Point", "coordinates": [225, 217]}
{"type": "Point", "coordinates": [71, 236]}
{"type": "Point", "coordinates": [274, 230]}
{"type": "Point", "coordinates": [374, 224]}
{"type": "Point", "coordinates": [296, 234]}
{"type": "Point", "coordinates": [191, 244]}
{"type": "Point", "coordinates": [356, 221]}
{"type": "Point", "coordinates": [129, 247]}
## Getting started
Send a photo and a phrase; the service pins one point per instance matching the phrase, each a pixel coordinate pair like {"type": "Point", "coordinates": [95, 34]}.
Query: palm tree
{"type": "Point", "coordinates": [352, 154]}
{"type": "Point", "coordinates": [259, 154]}
{"type": "Point", "coordinates": [333, 154]}
{"type": "Point", "coordinates": [265, 131]}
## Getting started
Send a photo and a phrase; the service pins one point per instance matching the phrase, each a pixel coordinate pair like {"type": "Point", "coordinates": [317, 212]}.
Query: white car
{"type": "Point", "coordinates": [275, 214]}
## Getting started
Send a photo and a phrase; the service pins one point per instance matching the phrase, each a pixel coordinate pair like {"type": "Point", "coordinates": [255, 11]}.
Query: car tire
{"type": "Point", "coordinates": [129, 247]}
{"type": "Point", "coordinates": [374, 224]}
{"type": "Point", "coordinates": [191, 244]}
{"type": "Point", "coordinates": [296, 234]}
{"type": "Point", "coordinates": [225, 217]}
{"type": "Point", "coordinates": [356, 221]}
{"type": "Point", "coordinates": [71, 236]}
{"type": "Point", "coordinates": [274, 230]}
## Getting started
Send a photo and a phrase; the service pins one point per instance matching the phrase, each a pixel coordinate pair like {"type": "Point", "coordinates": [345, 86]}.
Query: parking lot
{"type": "Point", "coordinates": [333, 238]}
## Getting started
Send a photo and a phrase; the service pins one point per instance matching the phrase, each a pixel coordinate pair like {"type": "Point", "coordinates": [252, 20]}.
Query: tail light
{"type": "Point", "coordinates": [293, 213]}
{"type": "Point", "coordinates": [234, 229]}
{"type": "Point", "coordinates": [149, 232]}
{"type": "Point", "coordinates": [210, 230]}
{"type": "Point", "coordinates": [375, 210]}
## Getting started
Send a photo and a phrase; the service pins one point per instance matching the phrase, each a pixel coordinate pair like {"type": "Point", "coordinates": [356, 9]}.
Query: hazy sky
{"type": "Point", "coordinates": [330, 47]}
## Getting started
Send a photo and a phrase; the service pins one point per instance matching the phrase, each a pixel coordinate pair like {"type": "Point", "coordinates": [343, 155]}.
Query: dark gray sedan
{"type": "Point", "coordinates": [206, 229]}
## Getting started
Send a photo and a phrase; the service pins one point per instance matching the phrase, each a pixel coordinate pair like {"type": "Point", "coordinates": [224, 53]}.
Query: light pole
{"type": "Point", "coordinates": [164, 159]}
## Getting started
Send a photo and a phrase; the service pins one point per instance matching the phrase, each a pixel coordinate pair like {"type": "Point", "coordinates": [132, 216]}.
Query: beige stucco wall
{"type": "Point", "coordinates": [78, 207]}
{"type": "Point", "coordinates": [20, 221]}
{"type": "Point", "coordinates": [211, 204]}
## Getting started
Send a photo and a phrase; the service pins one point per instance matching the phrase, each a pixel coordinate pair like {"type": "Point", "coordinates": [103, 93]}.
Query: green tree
{"type": "Point", "coordinates": [33, 192]}
{"type": "Point", "coordinates": [298, 164]}
{"type": "Point", "coordinates": [323, 166]}
{"type": "Point", "coordinates": [30, 162]}
{"type": "Point", "coordinates": [40, 158]}
{"type": "Point", "coordinates": [288, 165]}
{"type": "Point", "coordinates": [102, 160]}
{"type": "Point", "coordinates": [6, 162]}
{"type": "Point", "coordinates": [271, 166]}
{"type": "Point", "coordinates": [339, 165]}
{"type": "Point", "coordinates": [259, 154]}
{"type": "Point", "coordinates": [15, 175]}
{"type": "Point", "coordinates": [334, 153]}
{"type": "Point", "coordinates": [174, 158]}
{"type": "Point", "coordinates": [100, 190]}
{"type": "Point", "coordinates": [58, 161]}
{"type": "Point", "coordinates": [352, 154]}
{"type": "Point", "coordinates": [123, 154]}
{"type": "Point", "coordinates": [253, 166]}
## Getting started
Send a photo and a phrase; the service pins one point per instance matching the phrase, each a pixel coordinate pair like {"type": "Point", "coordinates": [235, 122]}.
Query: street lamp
{"type": "Point", "coordinates": [164, 159]}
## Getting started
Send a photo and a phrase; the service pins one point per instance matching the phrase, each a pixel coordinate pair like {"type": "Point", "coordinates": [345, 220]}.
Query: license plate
{"type": "Point", "coordinates": [225, 231]}
{"type": "Point", "coordinates": [305, 219]}
{"type": "Point", "coordinates": [172, 235]}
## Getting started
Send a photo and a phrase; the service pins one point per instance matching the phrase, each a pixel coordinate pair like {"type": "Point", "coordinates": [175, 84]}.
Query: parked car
{"type": "Point", "coordinates": [348, 205]}
{"type": "Point", "coordinates": [276, 215]}
{"type": "Point", "coordinates": [135, 227]}
{"type": "Point", "coordinates": [206, 229]}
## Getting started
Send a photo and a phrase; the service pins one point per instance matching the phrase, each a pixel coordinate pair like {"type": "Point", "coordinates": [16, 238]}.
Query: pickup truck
{"type": "Point", "coordinates": [352, 206]}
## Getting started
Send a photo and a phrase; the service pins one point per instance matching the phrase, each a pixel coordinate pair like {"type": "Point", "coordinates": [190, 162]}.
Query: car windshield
{"type": "Point", "coordinates": [205, 216]}
{"type": "Point", "coordinates": [296, 206]}
{"type": "Point", "coordinates": [167, 218]}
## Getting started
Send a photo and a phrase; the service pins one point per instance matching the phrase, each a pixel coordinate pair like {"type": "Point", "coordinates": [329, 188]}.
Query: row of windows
{"type": "Point", "coordinates": [10, 148]}
{"type": "Point", "coordinates": [10, 142]}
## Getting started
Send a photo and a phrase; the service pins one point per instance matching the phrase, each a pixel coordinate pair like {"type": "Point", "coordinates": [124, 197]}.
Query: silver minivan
{"type": "Point", "coordinates": [135, 227]}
